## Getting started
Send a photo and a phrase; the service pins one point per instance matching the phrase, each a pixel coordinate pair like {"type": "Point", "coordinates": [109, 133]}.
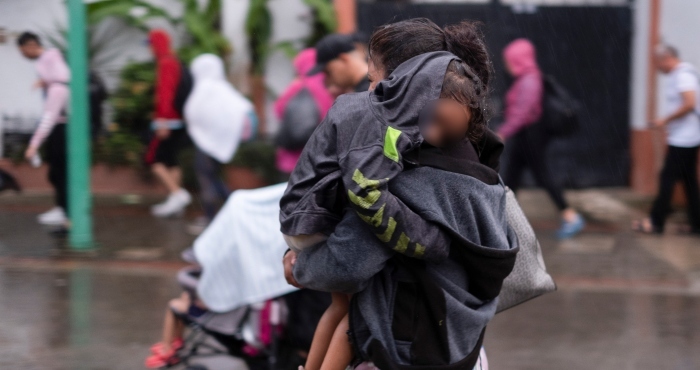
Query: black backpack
{"type": "Point", "coordinates": [184, 88]}
{"type": "Point", "coordinates": [560, 111]}
{"type": "Point", "coordinates": [97, 93]}
{"type": "Point", "coordinates": [301, 117]}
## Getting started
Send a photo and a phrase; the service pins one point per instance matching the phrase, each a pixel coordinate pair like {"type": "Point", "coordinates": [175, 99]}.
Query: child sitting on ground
{"type": "Point", "coordinates": [414, 109]}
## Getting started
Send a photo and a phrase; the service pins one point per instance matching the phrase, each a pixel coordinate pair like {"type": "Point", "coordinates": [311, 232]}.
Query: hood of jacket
{"type": "Point", "coordinates": [217, 114]}
{"type": "Point", "coordinates": [521, 56]}
{"type": "Point", "coordinates": [400, 99]}
{"type": "Point", "coordinates": [160, 43]}
{"type": "Point", "coordinates": [208, 67]}
{"type": "Point", "coordinates": [304, 61]}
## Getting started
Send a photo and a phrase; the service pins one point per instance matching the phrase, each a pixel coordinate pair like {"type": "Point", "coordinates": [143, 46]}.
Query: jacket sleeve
{"type": "Point", "coordinates": [366, 174]}
{"type": "Point", "coordinates": [345, 262]}
{"type": "Point", "coordinates": [522, 109]}
{"type": "Point", "coordinates": [310, 203]}
{"type": "Point", "coordinates": [56, 101]}
{"type": "Point", "coordinates": [167, 78]}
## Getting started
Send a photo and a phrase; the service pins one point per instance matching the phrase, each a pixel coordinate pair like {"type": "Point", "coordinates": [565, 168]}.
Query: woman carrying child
{"type": "Point", "coordinates": [397, 200]}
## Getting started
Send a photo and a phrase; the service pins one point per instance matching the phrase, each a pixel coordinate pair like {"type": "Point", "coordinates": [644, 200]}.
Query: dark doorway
{"type": "Point", "coordinates": [587, 48]}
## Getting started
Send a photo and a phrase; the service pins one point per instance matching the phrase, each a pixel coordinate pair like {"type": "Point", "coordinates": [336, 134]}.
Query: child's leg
{"type": "Point", "coordinates": [325, 330]}
{"type": "Point", "coordinates": [172, 327]}
{"type": "Point", "coordinates": [339, 352]}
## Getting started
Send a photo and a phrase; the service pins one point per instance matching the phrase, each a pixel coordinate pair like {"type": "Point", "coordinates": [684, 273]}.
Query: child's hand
{"type": "Point", "coordinates": [289, 260]}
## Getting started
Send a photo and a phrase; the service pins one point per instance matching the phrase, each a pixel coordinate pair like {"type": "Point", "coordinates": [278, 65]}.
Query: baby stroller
{"type": "Point", "coordinates": [257, 333]}
{"type": "Point", "coordinates": [260, 318]}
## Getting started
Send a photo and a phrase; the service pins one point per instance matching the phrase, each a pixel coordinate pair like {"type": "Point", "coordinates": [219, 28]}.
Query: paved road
{"type": "Point", "coordinates": [625, 301]}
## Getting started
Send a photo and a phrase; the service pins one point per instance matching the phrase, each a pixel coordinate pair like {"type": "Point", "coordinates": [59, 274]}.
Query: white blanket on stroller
{"type": "Point", "coordinates": [241, 251]}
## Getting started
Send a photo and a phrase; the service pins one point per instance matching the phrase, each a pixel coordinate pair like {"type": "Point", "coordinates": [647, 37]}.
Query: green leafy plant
{"type": "Point", "coordinates": [324, 21]}
{"type": "Point", "coordinates": [203, 30]}
{"type": "Point", "coordinates": [200, 24]}
{"type": "Point", "coordinates": [258, 27]}
{"type": "Point", "coordinates": [260, 157]}
{"type": "Point", "coordinates": [133, 99]}
{"type": "Point", "coordinates": [120, 147]}
{"type": "Point", "coordinates": [258, 30]}
{"type": "Point", "coordinates": [133, 103]}
{"type": "Point", "coordinates": [134, 12]}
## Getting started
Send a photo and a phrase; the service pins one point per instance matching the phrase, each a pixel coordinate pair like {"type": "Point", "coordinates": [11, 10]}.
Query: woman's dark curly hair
{"type": "Point", "coordinates": [466, 82]}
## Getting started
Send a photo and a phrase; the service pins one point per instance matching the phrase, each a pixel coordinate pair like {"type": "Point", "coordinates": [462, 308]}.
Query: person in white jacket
{"type": "Point", "coordinates": [218, 119]}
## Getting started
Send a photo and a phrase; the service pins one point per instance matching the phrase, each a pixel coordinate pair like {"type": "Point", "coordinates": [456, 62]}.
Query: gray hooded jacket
{"type": "Point", "coordinates": [354, 154]}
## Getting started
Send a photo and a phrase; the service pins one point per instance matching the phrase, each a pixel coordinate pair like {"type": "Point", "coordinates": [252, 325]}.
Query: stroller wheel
{"type": "Point", "coordinates": [196, 367]}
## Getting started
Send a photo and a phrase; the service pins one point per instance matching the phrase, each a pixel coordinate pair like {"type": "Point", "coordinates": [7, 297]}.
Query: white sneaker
{"type": "Point", "coordinates": [156, 209]}
{"type": "Point", "coordinates": [198, 226]}
{"type": "Point", "coordinates": [174, 205]}
{"type": "Point", "coordinates": [55, 216]}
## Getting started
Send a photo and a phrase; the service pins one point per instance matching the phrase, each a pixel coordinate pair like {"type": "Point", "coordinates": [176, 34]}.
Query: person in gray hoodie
{"type": "Point", "coordinates": [408, 311]}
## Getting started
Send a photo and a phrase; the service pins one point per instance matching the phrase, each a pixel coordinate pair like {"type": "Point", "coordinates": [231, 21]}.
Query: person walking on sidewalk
{"type": "Point", "coordinates": [54, 76]}
{"type": "Point", "coordinates": [169, 133]}
{"type": "Point", "coordinates": [681, 90]}
{"type": "Point", "coordinates": [523, 110]}
{"type": "Point", "coordinates": [305, 91]}
{"type": "Point", "coordinates": [218, 118]}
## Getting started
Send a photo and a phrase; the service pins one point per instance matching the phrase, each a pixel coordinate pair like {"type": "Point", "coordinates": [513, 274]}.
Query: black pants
{"type": "Point", "coordinates": [681, 164]}
{"type": "Point", "coordinates": [529, 150]}
{"type": "Point", "coordinates": [58, 166]}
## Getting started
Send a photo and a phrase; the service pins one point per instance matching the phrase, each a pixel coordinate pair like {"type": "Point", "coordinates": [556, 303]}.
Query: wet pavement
{"type": "Point", "coordinates": [625, 301]}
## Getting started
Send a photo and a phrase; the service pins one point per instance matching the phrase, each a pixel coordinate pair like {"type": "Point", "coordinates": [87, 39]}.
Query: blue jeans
{"type": "Point", "coordinates": [212, 189]}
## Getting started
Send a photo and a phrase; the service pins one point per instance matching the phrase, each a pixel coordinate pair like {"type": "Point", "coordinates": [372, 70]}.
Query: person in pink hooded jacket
{"type": "Point", "coordinates": [523, 111]}
{"type": "Point", "coordinates": [303, 63]}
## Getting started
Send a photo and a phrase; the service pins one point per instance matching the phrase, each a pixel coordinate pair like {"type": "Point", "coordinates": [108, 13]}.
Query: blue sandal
{"type": "Point", "coordinates": [569, 229]}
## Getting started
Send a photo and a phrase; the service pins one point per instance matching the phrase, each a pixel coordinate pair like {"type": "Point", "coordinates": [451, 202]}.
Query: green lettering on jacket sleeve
{"type": "Point", "coordinates": [364, 202]}
{"type": "Point", "coordinates": [402, 244]}
{"type": "Point", "coordinates": [375, 220]}
{"type": "Point", "coordinates": [420, 250]}
{"type": "Point", "coordinates": [389, 232]}
{"type": "Point", "coordinates": [364, 182]}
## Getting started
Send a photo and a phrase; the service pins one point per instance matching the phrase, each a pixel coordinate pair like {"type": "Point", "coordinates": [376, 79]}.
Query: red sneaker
{"type": "Point", "coordinates": [177, 344]}
{"type": "Point", "coordinates": [158, 360]}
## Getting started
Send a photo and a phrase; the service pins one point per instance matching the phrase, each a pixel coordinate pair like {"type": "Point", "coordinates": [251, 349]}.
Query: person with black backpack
{"type": "Point", "coordinates": [301, 108]}
{"type": "Point", "coordinates": [536, 108]}
{"type": "Point", "coordinates": [173, 83]}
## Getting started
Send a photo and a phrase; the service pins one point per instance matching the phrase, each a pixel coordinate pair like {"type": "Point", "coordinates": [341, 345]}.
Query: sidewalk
{"type": "Point", "coordinates": [122, 231]}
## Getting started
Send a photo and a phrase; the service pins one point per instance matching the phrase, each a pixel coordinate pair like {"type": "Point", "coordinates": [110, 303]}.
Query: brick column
{"type": "Point", "coordinates": [647, 145]}
{"type": "Point", "coordinates": [346, 15]}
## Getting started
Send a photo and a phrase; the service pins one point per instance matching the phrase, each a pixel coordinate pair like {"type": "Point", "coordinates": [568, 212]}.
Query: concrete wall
{"type": "Point", "coordinates": [640, 65]}
{"type": "Point", "coordinates": [680, 27]}
{"type": "Point", "coordinates": [19, 104]}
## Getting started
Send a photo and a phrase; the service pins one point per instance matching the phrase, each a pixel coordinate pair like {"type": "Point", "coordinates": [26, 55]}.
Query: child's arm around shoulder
{"type": "Point", "coordinates": [366, 174]}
